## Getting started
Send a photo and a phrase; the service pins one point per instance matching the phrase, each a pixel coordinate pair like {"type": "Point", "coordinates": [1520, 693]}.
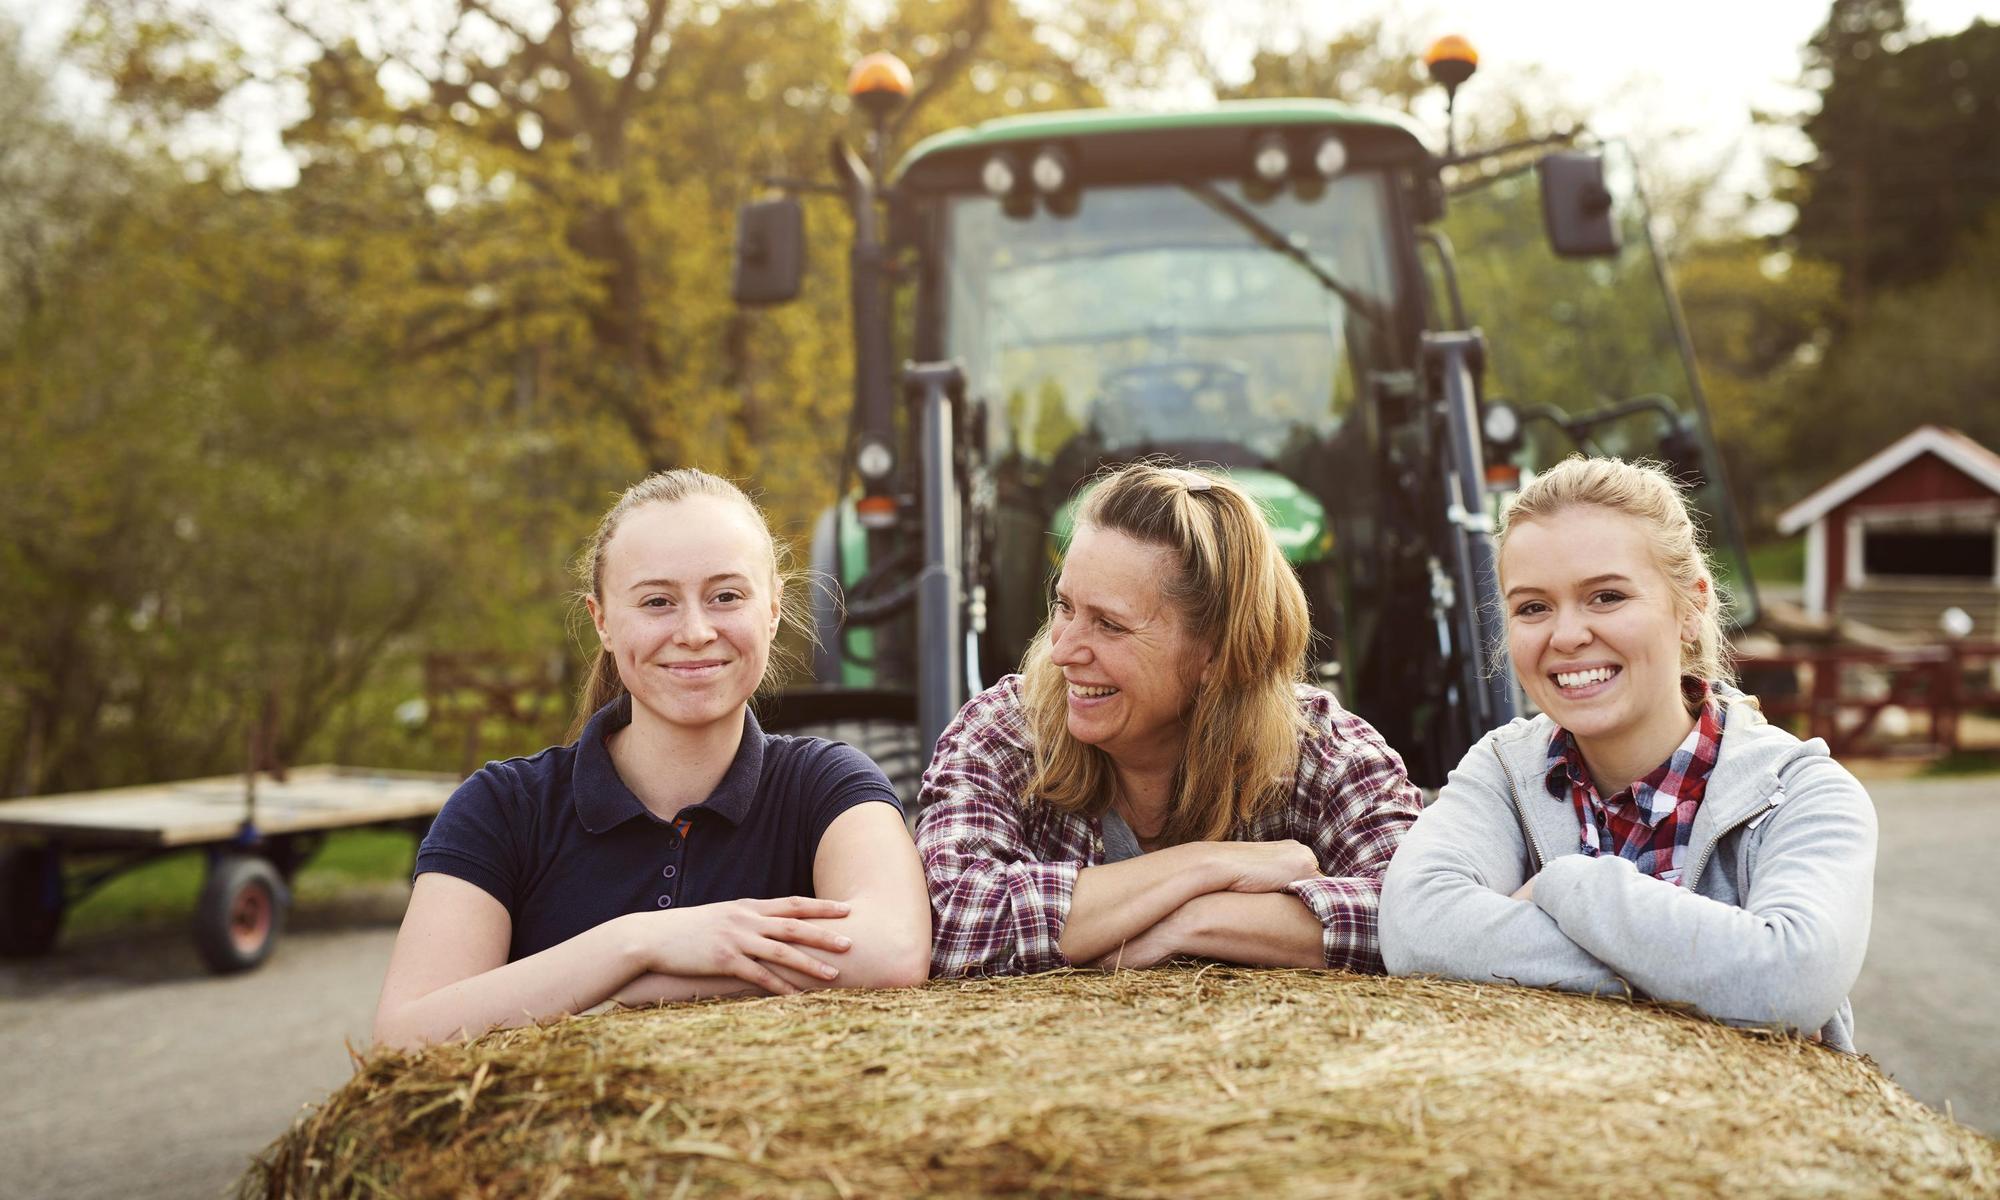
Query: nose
{"type": "Point", "coordinates": [1067, 646]}
{"type": "Point", "coordinates": [694, 628]}
{"type": "Point", "coordinates": [1571, 632]}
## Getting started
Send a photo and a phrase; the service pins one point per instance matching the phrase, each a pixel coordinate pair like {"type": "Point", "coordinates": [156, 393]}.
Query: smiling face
{"type": "Point", "coordinates": [1594, 628]}
{"type": "Point", "coordinates": [1125, 651]}
{"type": "Point", "coordinates": [688, 605]}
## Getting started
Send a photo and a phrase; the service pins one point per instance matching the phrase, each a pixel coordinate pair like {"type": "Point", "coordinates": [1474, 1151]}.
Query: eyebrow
{"type": "Point", "coordinates": [1591, 582]}
{"type": "Point", "coordinates": [728, 576]}
{"type": "Point", "coordinates": [1116, 615]}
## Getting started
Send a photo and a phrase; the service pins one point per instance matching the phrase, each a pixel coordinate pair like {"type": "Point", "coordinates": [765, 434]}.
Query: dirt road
{"type": "Point", "coordinates": [127, 1071]}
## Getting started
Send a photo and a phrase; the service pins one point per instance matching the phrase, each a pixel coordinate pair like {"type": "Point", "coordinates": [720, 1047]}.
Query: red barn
{"type": "Point", "coordinates": [1911, 532]}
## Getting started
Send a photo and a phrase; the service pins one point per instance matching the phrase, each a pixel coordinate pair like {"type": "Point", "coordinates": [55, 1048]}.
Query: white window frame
{"type": "Point", "coordinates": [1938, 517]}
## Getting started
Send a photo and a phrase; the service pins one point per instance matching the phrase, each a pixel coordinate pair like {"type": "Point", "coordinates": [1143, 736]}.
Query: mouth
{"type": "Point", "coordinates": [1089, 692]}
{"type": "Point", "coordinates": [696, 670]}
{"type": "Point", "coordinates": [1588, 681]}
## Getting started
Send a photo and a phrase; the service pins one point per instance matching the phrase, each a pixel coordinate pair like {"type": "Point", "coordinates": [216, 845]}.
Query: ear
{"type": "Point", "coordinates": [597, 620]}
{"type": "Point", "coordinates": [777, 604]}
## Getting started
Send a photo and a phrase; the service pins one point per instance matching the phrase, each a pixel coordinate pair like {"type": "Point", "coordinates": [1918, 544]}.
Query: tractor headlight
{"type": "Point", "coordinates": [1050, 170]}
{"type": "Point", "coordinates": [1270, 159]}
{"type": "Point", "coordinates": [1501, 423]}
{"type": "Point", "coordinates": [1330, 156]}
{"type": "Point", "coordinates": [998, 176]}
{"type": "Point", "coordinates": [874, 460]}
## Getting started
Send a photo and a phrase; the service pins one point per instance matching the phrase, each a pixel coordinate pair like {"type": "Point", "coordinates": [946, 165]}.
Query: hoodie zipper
{"type": "Point", "coordinates": [1534, 846]}
{"type": "Point", "coordinates": [1707, 852]}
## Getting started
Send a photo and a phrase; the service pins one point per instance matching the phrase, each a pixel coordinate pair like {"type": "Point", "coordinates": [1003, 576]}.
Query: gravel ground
{"type": "Point", "coordinates": [126, 1070]}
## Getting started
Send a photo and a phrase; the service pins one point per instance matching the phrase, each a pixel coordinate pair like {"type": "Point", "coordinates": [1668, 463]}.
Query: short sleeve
{"type": "Point", "coordinates": [474, 837]}
{"type": "Point", "coordinates": [840, 777]}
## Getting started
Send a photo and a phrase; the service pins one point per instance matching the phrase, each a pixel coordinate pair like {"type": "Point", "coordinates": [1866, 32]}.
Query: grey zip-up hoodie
{"type": "Point", "coordinates": [1768, 929]}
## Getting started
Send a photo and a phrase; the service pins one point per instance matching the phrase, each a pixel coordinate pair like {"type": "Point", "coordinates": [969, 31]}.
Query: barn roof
{"type": "Point", "coordinates": [1948, 444]}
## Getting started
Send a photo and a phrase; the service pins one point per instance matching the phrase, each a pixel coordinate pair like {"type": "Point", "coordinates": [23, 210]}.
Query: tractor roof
{"type": "Point", "coordinates": [1247, 115]}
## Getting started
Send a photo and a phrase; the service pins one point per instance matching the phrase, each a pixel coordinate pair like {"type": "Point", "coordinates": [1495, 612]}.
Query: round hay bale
{"type": "Point", "coordinates": [1183, 1082]}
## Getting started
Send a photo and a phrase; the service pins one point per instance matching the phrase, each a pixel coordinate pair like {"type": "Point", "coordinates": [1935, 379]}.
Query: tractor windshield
{"type": "Point", "coordinates": [1190, 318]}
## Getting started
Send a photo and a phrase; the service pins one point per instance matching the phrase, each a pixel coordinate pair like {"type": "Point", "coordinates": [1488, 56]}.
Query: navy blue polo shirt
{"type": "Point", "coordinates": [563, 843]}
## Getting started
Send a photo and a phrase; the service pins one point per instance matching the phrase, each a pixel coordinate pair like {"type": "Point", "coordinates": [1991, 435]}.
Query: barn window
{"type": "Point", "coordinates": [1928, 553]}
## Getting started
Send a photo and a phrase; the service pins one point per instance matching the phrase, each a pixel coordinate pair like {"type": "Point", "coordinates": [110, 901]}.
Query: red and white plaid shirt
{"type": "Point", "coordinates": [1001, 866]}
{"type": "Point", "coordinates": [1650, 822]}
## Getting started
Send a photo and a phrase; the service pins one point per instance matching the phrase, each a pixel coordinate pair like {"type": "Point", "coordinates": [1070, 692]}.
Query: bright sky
{"type": "Point", "coordinates": [1682, 80]}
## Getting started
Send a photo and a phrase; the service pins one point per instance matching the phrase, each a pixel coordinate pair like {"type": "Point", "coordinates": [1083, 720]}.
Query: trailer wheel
{"type": "Point", "coordinates": [240, 914]}
{"type": "Point", "coordinates": [31, 900]}
{"type": "Point", "coordinates": [893, 744]}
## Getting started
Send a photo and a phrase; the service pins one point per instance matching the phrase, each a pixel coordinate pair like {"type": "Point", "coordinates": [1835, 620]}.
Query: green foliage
{"type": "Point", "coordinates": [1907, 136]}
{"type": "Point", "coordinates": [269, 449]}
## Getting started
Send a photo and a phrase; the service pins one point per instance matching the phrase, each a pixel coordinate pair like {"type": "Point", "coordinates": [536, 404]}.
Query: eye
{"type": "Point", "coordinates": [655, 602]}
{"type": "Point", "coordinates": [1062, 606]}
{"type": "Point", "coordinates": [728, 596]}
{"type": "Point", "coordinates": [1607, 596]}
{"type": "Point", "coordinates": [1531, 608]}
{"type": "Point", "coordinates": [1110, 626]}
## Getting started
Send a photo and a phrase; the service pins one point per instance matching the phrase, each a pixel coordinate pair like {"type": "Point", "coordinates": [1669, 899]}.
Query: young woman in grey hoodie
{"type": "Point", "coordinates": [1649, 833]}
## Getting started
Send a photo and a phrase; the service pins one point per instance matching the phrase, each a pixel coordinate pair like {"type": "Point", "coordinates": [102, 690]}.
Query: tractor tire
{"type": "Point", "coordinates": [891, 743]}
{"type": "Point", "coordinates": [241, 913]}
{"type": "Point", "coordinates": [31, 900]}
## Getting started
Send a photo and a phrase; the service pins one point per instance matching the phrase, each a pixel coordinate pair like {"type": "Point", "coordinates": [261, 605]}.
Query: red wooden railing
{"type": "Point", "coordinates": [1843, 692]}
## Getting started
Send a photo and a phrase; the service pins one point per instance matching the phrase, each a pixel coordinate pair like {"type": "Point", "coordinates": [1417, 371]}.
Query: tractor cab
{"type": "Point", "coordinates": [1281, 289]}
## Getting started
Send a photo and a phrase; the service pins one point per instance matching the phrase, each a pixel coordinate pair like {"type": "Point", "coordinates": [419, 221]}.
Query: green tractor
{"type": "Point", "coordinates": [1286, 290]}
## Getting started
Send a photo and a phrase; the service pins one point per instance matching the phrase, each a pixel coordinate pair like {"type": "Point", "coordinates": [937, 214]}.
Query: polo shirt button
{"type": "Point", "coordinates": [669, 871]}
{"type": "Point", "coordinates": [666, 902]}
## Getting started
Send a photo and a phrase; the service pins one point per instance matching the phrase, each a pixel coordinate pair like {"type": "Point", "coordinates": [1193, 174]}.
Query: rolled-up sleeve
{"type": "Point", "coordinates": [998, 904]}
{"type": "Point", "coordinates": [1353, 803]}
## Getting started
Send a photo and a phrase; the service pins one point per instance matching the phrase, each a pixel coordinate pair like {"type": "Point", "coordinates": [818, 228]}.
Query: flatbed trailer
{"type": "Point", "coordinates": [258, 831]}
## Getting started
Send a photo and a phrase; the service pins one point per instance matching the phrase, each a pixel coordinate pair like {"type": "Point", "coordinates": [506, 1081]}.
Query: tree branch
{"type": "Point", "coordinates": [946, 67]}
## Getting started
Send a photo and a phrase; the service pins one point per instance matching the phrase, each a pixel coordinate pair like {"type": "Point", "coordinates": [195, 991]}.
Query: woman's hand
{"type": "Point", "coordinates": [743, 939]}
{"type": "Point", "coordinates": [1149, 949]}
{"type": "Point", "coordinates": [1526, 892]}
{"type": "Point", "coordinates": [1263, 866]}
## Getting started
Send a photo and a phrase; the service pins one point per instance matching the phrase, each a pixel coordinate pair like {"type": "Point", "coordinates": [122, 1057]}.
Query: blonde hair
{"type": "Point", "coordinates": [1644, 491]}
{"type": "Point", "coordinates": [1240, 599]}
{"type": "Point", "coordinates": [601, 684]}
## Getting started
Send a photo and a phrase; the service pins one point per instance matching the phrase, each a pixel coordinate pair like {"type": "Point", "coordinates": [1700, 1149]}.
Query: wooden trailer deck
{"type": "Point", "coordinates": [196, 812]}
{"type": "Point", "coordinates": [258, 832]}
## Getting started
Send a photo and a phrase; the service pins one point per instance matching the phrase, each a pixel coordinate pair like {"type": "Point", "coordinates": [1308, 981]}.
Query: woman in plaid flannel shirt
{"type": "Point", "coordinates": [1157, 781]}
{"type": "Point", "coordinates": [1650, 832]}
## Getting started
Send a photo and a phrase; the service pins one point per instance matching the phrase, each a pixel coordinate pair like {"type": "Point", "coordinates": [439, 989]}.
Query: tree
{"type": "Point", "coordinates": [1906, 138]}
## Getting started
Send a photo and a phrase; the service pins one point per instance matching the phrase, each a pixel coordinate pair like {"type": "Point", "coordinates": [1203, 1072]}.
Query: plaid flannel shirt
{"type": "Point", "coordinates": [1650, 822]}
{"type": "Point", "coordinates": [1001, 868]}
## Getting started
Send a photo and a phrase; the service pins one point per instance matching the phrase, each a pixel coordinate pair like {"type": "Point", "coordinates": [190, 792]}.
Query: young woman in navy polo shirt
{"type": "Point", "coordinates": [674, 850]}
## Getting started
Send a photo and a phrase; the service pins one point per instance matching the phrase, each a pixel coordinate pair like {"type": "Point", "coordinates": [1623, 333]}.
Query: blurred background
{"type": "Point", "coordinates": [328, 329]}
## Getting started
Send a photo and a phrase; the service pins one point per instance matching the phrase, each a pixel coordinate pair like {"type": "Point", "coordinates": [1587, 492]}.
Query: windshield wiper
{"type": "Point", "coordinates": [1273, 238]}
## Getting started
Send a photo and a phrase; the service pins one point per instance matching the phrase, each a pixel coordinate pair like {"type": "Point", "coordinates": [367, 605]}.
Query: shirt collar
{"type": "Point", "coordinates": [1565, 768]}
{"type": "Point", "coordinates": [603, 801]}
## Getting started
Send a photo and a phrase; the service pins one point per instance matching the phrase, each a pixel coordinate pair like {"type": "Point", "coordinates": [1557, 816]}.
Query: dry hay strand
{"type": "Point", "coordinates": [1182, 1082]}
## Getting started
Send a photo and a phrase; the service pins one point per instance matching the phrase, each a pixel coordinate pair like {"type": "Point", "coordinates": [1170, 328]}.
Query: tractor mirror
{"type": "Point", "coordinates": [1576, 206]}
{"type": "Point", "coordinates": [770, 251]}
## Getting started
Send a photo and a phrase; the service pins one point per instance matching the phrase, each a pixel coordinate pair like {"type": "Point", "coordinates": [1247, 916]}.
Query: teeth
{"type": "Point", "coordinates": [1577, 679]}
{"type": "Point", "coordinates": [1090, 692]}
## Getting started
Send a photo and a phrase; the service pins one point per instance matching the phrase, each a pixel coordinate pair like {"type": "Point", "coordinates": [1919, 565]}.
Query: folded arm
{"type": "Point", "coordinates": [449, 975]}
{"type": "Point", "coordinates": [1787, 956]}
{"type": "Point", "coordinates": [1446, 898]}
{"type": "Point", "coordinates": [866, 861]}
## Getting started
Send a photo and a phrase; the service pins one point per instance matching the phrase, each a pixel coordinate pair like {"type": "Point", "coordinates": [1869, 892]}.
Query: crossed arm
{"type": "Point", "coordinates": [1010, 898]}
{"type": "Point", "coordinates": [869, 927]}
{"type": "Point", "coordinates": [1455, 905]}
